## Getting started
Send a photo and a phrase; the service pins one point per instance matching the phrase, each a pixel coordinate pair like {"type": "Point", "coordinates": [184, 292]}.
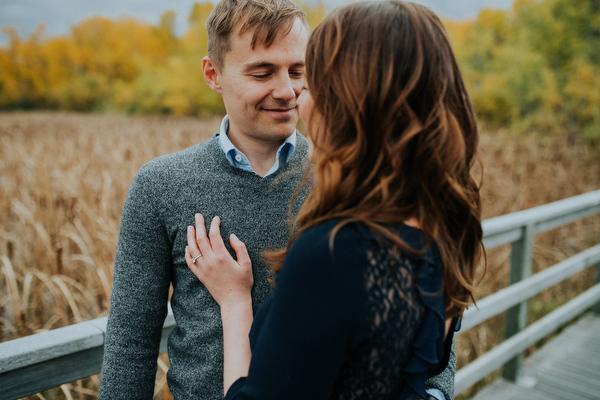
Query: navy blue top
{"type": "Point", "coordinates": [360, 319]}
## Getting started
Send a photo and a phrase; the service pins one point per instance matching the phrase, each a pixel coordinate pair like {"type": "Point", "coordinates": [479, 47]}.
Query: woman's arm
{"type": "Point", "coordinates": [230, 283]}
{"type": "Point", "coordinates": [309, 325]}
{"type": "Point", "coordinates": [314, 318]}
{"type": "Point", "coordinates": [237, 321]}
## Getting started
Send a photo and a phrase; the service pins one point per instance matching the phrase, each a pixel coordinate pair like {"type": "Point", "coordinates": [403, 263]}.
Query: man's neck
{"type": "Point", "coordinates": [261, 153]}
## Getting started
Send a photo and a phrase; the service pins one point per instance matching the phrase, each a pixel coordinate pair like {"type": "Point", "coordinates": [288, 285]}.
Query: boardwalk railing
{"type": "Point", "coordinates": [518, 229]}
{"type": "Point", "coordinates": [39, 362]}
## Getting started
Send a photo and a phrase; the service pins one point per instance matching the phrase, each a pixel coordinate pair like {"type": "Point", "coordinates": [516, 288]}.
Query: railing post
{"type": "Point", "coordinates": [516, 317]}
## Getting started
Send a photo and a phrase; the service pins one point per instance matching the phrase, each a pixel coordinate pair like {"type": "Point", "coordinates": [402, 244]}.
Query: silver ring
{"type": "Point", "coordinates": [197, 257]}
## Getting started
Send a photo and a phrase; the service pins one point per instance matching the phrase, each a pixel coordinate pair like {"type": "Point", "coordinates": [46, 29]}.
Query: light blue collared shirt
{"type": "Point", "coordinates": [239, 159]}
{"type": "Point", "coordinates": [437, 393]}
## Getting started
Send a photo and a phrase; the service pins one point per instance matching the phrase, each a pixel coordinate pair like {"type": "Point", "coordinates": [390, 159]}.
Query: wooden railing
{"type": "Point", "coordinates": [518, 229]}
{"type": "Point", "coordinates": [39, 362]}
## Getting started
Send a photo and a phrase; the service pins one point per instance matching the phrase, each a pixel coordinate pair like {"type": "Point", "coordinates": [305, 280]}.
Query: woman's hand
{"type": "Point", "coordinates": [228, 281]}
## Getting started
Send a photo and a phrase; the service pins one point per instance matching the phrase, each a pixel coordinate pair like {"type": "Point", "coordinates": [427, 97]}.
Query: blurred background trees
{"type": "Point", "coordinates": [534, 68]}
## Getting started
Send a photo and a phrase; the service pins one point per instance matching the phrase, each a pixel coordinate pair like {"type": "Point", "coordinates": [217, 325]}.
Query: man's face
{"type": "Point", "coordinates": [260, 86]}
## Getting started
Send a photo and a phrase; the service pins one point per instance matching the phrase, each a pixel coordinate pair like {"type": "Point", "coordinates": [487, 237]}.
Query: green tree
{"type": "Point", "coordinates": [534, 67]}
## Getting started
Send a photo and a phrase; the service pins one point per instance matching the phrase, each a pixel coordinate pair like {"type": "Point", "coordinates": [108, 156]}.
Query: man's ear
{"type": "Point", "coordinates": [211, 75]}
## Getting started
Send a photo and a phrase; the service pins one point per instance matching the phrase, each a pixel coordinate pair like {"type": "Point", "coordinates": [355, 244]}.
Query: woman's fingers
{"type": "Point", "coordinates": [211, 247]}
{"type": "Point", "coordinates": [192, 243]}
{"type": "Point", "coordinates": [216, 241]}
{"type": "Point", "coordinates": [241, 252]}
{"type": "Point", "coordinates": [228, 280]}
{"type": "Point", "coordinates": [192, 265]}
{"type": "Point", "coordinates": [204, 244]}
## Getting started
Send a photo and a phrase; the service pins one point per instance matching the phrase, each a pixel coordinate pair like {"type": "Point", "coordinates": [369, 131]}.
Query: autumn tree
{"type": "Point", "coordinates": [535, 67]}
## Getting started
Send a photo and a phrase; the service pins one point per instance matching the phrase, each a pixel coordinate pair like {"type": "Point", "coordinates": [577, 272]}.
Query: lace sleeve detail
{"type": "Point", "coordinates": [406, 320]}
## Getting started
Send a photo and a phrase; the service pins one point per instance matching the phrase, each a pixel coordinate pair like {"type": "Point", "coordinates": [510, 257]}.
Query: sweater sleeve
{"type": "Point", "coordinates": [444, 381]}
{"type": "Point", "coordinates": [139, 296]}
{"type": "Point", "coordinates": [315, 318]}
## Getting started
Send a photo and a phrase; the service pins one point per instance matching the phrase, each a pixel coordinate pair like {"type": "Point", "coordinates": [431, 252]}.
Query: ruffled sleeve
{"type": "Point", "coordinates": [426, 359]}
{"type": "Point", "coordinates": [427, 355]}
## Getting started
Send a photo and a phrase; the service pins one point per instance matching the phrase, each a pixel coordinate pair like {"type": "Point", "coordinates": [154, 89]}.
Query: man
{"type": "Point", "coordinates": [245, 174]}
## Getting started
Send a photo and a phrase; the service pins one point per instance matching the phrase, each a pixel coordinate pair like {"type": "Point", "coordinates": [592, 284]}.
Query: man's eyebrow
{"type": "Point", "coordinates": [264, 64]}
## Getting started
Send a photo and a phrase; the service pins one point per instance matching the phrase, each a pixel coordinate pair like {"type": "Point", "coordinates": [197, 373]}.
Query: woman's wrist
{"type": "Point", "coordinates": [236, 315]}
{"type": "Point", "coordinates": [236, 306]}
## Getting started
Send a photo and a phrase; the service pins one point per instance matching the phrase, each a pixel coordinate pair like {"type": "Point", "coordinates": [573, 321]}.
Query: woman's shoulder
{"type": "Point", "coordinates": [332, 237]}
{"type": "Point", "coordinates": [337, 235]}
{"type": "Point", "coordinates": [315, 252]}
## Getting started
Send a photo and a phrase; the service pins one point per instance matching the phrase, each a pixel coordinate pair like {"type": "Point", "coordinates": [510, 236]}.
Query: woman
{"type": "Point", "coordinates": [387, 243]}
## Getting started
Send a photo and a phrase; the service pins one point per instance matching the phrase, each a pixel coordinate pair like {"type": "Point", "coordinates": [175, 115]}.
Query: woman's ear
{"type": "Point", "coordinates": [211, 74]}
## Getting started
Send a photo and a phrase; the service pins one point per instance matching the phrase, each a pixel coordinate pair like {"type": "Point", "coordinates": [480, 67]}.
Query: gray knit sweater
{"type": "Point", "coordinates": [160, 204]}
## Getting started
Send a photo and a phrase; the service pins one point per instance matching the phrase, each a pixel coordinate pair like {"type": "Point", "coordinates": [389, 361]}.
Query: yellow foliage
{"type": "Point", "coordinates": [315, 14]}
{"type": "Point", "coordinates": [583, 90]}
{"type": "Point", "coordinates": [112, 48]}
{"type": "Point", "coordinates": [534, 67]}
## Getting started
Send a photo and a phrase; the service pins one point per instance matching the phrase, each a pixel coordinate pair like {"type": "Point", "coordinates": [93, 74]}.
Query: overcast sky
{"type": "Point", "coordinates": [59, 15]}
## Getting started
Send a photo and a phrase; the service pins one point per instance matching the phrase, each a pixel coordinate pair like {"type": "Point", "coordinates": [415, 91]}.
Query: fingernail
{"type": "Point", "coordinates": [234, 237]}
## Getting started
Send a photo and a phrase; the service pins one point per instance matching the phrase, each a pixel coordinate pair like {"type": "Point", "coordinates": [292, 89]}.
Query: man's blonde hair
{"type": "Point", "coordinates": [267, 18]}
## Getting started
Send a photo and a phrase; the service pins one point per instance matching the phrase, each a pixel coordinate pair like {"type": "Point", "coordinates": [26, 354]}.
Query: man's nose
{"type": "Point", "coordinates": [286, 89]}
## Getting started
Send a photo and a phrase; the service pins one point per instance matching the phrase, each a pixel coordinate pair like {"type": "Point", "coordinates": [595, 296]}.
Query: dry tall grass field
{"type": "Point", "coordinates": [64, 177]}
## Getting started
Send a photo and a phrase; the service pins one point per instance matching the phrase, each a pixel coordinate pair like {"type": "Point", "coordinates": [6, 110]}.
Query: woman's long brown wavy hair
{"type": "Point", "coordinates": [397, 135]}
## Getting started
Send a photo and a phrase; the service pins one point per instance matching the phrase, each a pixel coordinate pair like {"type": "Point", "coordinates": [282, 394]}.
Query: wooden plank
{"type": "Point", "coordinates": [549, 215]}
{"type": "Point", "coordinates": [35, 378]}
{"type": "Point", "coordinates": [558, 393]}
{"type": "Point", "coordinates": [505, 390]}
{"type": "Point", "coordinates": [572, 371]}
{"type": "Point", "coordinates": [572, 384]}
{"type": "Point", "coordinates": [493, 359]}
{"type": "Point", "coordinates": [52, 344]}
{"type": "Point", "coordinates": [570, 363]}
{"type": "Point", "coordinates": [576, 337]}
{"type": "Point", "coordinates": [46, 360]}
{"type": "Point", "coordinates": [566, 368]}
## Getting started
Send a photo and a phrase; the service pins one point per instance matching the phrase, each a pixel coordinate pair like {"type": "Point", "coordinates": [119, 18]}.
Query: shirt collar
{"type": "Point", "coordinates": [239, 159]}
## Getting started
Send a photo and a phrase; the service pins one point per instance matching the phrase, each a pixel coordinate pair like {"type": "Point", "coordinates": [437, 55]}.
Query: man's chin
{"type": "Point", "coordinates": [283, 128]}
